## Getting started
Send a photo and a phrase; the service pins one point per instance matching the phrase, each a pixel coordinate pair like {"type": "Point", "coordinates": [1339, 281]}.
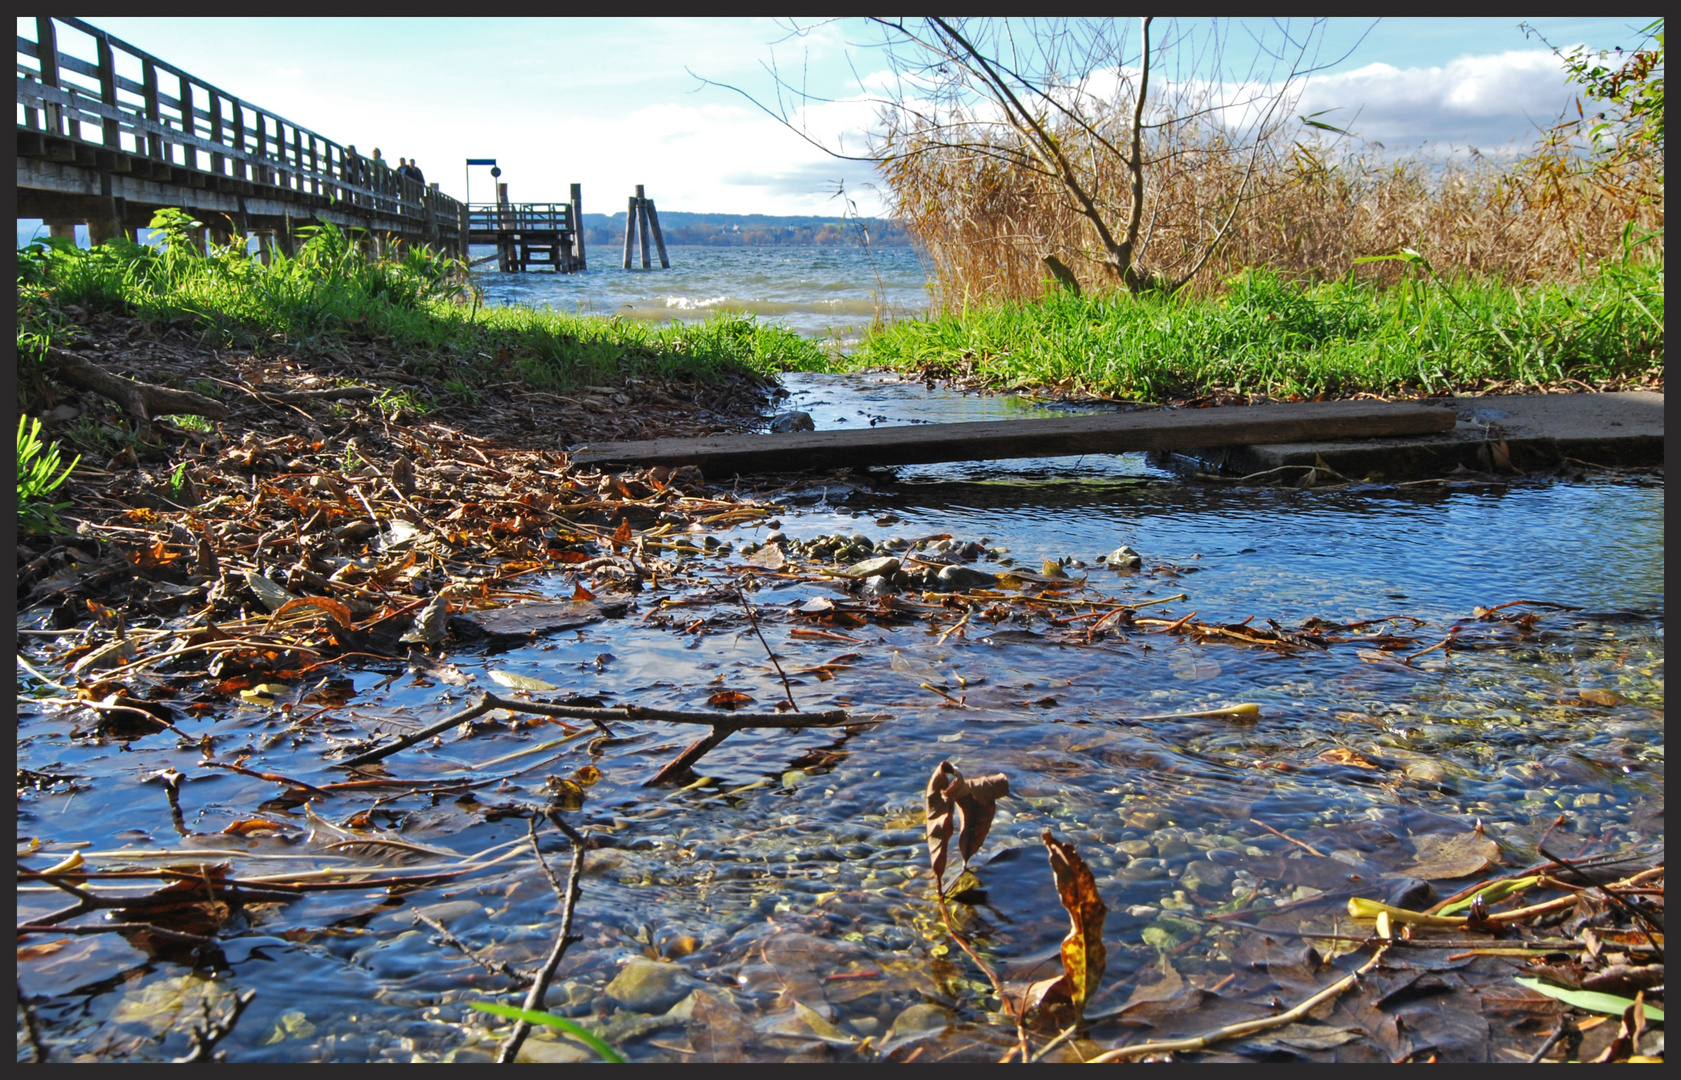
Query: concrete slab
{"type": "Point", "coordinates": [1539, 431]}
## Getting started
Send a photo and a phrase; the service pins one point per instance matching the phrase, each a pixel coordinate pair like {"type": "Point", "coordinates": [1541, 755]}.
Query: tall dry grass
{"type": "Point", "coordinates": [1545, 216]}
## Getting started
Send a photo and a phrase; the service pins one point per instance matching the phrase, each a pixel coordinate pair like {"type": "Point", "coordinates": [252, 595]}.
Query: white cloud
{"type": "Point", "coordinates": [1483, 101]}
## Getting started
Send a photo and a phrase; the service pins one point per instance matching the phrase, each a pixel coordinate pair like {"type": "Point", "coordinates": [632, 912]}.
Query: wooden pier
{"type": "Point", "coordinates": [530, 236]}
{"type": "Point", "coordinates": [100, 146]}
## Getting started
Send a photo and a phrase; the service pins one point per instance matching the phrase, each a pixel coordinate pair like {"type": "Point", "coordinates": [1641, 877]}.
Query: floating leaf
{"type": "Point", "coordinates": [1083, 954]}
{"type": "Point", "coordinates": [729, 699]}
{"type": "Point", "coordinates": [769, 557]}
{"type": "Point", "coordinates": [581, 593]}
{"type": "Point", "coordinates": [1452, 855]}
{"type": "Point", "coordinates": [521, 682]}
{"type": "Point", "coordinates": [1591, 1000]}
{"type": "Point", "coordinates": [339, 613]}
{"type": "Point", "coordinates": [272, 596]}
{"type": "Point", "coordinates": [264, 693]}
{"type": "Point", "coordinates": [587, 775]}
{"type": "Point", "coordinates": [583, 1035]}
{"type": "Point", "coordinates": [950, 797]}
{"type": "Point", "coordinates": [621, 535]}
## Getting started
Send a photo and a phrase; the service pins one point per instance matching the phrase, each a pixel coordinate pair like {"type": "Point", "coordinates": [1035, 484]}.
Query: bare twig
{"type": "Point", "coordinates": [495, 967]}
{"type": "Point", "coordinates": [753, 620]}
{"type": "Point", "coordinates": [215, 1029]}
{"type": "Point", "coordinates": [1202, 1042]}
{"type": "Point", "coordinates": [115, 928]}
{"type": "Point", "coordinates": [1309, 848]}
{"type": "Point", "coordinates": [509, 1050]}
{"type": "Point", "coordinates": [829, 718]}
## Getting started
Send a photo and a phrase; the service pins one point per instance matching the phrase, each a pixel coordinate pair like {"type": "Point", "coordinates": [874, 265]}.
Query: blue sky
{"type": "Point", "coordinates": [610, 103]}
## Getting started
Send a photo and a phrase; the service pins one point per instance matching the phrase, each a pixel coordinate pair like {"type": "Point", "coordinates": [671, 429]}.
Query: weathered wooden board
{"type": "Point", "coordinates": [524, 620]}
{"type": "Point", "coordinates": [1106, 433]}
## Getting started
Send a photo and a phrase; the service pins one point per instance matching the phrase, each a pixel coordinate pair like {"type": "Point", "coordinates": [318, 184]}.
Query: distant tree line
{"type": "Point", "coordinates": [751, 230]}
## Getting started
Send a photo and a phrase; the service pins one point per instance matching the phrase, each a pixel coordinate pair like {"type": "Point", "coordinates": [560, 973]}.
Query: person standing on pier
{"type": "Point", "coordinates": [355, 173]}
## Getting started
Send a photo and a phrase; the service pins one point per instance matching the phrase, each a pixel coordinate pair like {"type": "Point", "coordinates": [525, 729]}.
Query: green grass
{"type": "Point", "coordinates": [423, 306]}
{"type": "Point", "coordinates": [1269, 336]}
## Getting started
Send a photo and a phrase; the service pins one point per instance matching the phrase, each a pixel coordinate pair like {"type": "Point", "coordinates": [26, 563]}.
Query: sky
{"type": "Point", "coordinates": [611, 103]}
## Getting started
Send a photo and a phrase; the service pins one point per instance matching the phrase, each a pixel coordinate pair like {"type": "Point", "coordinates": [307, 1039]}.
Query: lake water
{"type": "Point", "coordinates": [795, 871]}
{"type": "Point", "coordinates": [821, 292]}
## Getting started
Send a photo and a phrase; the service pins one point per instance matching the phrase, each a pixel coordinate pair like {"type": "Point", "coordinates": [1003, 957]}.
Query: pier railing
{"type": "Point", "coordinates": [95, 101]}
{"type": "Point", "coordinates": [520, 217]}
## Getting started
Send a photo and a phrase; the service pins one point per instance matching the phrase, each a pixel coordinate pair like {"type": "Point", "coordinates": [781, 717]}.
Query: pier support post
{"type": "Point", "coordinates": [578, 261]}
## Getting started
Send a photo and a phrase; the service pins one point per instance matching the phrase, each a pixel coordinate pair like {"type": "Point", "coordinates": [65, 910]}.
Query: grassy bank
{"type": "Point", "coordinates": [423, 306]}
{"type": "Point", "coordinates": [1265, 335]}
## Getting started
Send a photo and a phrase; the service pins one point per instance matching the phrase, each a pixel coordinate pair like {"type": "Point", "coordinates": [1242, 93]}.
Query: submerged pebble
{"type": "Point", "coordinates": [650, 986]}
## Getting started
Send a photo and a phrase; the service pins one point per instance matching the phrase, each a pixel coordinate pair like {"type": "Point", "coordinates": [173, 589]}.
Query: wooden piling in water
{"type": "Point", "coordinates": [653, 219]}
{"type": "Point", "coordinates": [642, 212]}
{"type": "Point", "coordinates": [630, 229]}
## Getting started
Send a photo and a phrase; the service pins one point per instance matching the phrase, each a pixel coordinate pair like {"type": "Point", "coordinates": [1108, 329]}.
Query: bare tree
{"type": "Point", "coordinates": [1064, 138]}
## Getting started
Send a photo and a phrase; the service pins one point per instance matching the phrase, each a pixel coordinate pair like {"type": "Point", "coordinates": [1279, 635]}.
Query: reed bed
{"type": "Point", "coordinates": [985, 226]}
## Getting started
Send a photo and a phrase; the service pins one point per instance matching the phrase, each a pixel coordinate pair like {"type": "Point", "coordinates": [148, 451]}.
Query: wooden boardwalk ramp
{"type": "Point", "coordinates": [1104, 433]}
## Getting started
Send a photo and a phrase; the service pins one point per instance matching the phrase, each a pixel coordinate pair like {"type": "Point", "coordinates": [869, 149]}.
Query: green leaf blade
{"type": "Point", "coordinates": [577, 1031]}
{"type": "Point", "coordinates": [1591, 1000]}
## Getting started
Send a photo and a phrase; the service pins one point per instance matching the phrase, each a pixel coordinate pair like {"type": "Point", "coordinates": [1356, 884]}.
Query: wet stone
{"type": "Point", "coordinates": [960, 578]}
{"type": "Point", "coordinates": [886, 565]}
{"type": "Point", "coordinates": [650, 986]}
{"type": "Point", "coordinates": [876, 586]}
{"type": "Point", "coordinates": [1205, 877]}
{"type": "Point", "coordinates": [1123, 558]}
{"type": "Point", "coordinates": [792, 421]}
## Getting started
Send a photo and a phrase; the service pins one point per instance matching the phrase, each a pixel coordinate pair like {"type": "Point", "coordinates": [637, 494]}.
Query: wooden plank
{"type": "Point", "coordinates": [1106, 433]}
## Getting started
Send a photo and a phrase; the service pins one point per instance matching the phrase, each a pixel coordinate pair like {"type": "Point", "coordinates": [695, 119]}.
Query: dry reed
{"type": "Point", "coordinates": [986, 225]}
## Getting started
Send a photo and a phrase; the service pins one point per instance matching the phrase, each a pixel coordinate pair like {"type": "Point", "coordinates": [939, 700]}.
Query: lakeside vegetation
{"type": "Point", "coordinates": [423, 305]}
{"type": "Point", "coordinates": [1090, 251]}
{"type": "Point", "coordinates": [1265, 335]}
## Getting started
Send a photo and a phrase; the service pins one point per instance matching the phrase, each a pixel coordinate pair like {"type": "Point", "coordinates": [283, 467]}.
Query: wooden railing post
{"type": "Point", "coordinates": [217, 161]}
{"type": "Point", "coordinates": [46, 51]}
{"type": "Point", "coordinates": [189, 123]}
{"type": "Point", "coordinates": [239, 168]}
{"type": "Point", "coordinates": [154, 113]}
{"type": "Point", "coordinates": [111, 131]}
